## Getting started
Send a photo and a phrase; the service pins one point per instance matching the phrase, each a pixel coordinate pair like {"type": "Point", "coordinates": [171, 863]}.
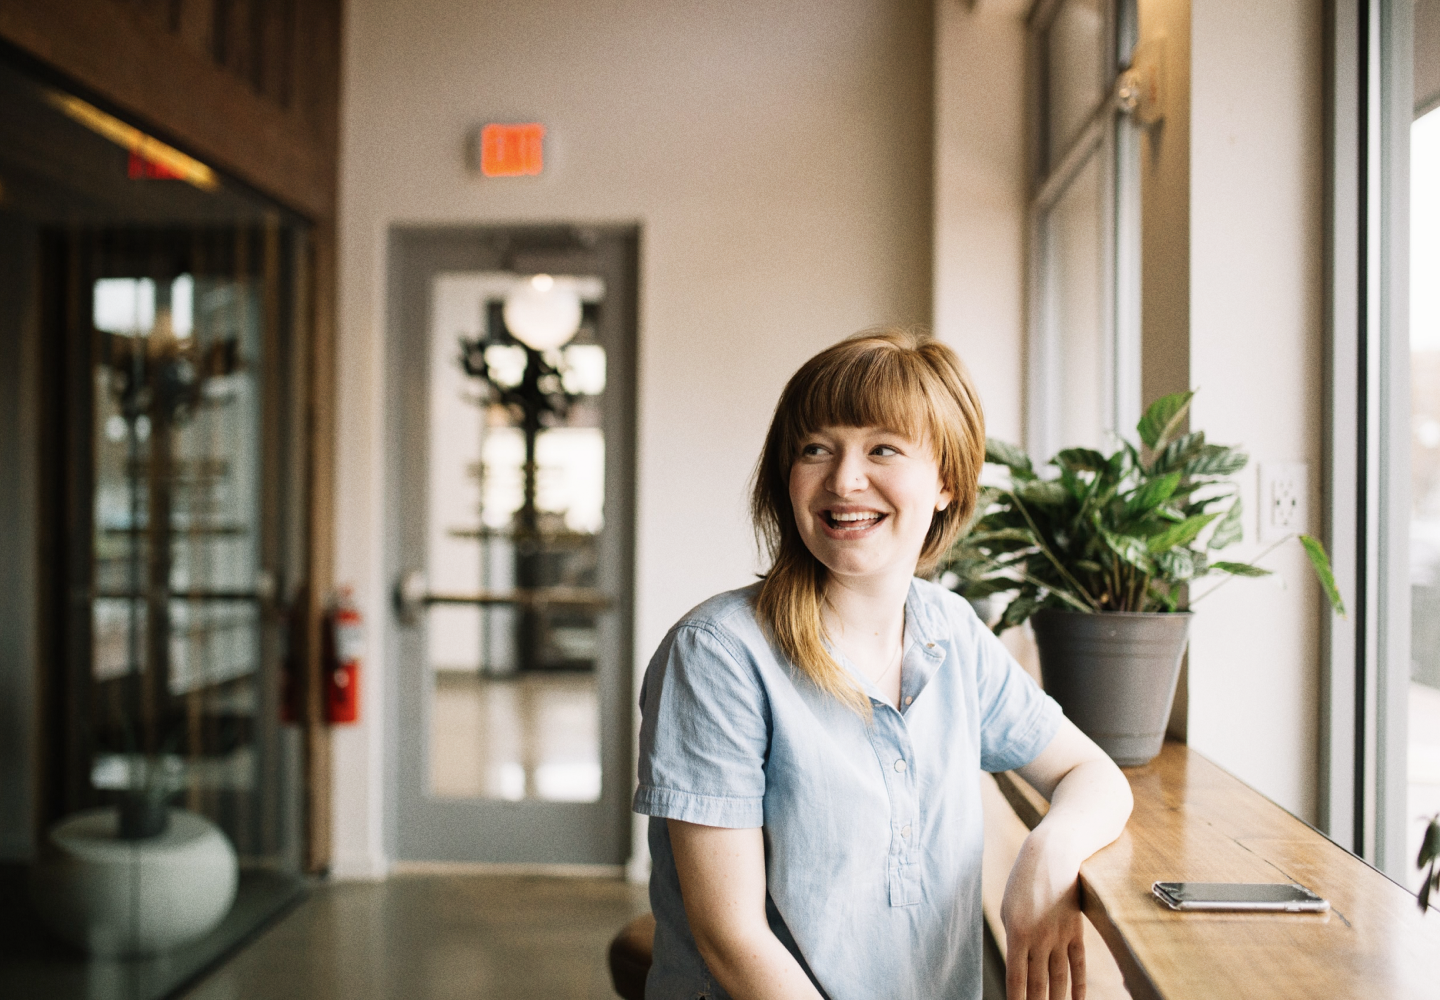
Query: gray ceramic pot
{"type": "Point", "coordinates": [1114, 674]}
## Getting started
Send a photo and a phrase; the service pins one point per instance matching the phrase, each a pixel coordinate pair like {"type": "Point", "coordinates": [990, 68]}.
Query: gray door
{"type": "Point", "coordinates": [511, 356]}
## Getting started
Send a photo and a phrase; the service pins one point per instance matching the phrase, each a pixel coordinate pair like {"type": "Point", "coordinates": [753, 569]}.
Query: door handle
{"type": "Point", "coordinates": [411, 589]}
{"type": "Point", "coordinates": [412, 596]}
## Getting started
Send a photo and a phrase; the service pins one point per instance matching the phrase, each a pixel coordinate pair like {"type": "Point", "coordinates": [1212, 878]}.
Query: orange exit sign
{"type": "Point", "coordinates": [512, 150]}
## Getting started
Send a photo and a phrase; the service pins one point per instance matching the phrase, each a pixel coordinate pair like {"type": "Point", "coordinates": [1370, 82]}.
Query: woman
{"type": "Point", "coordinates": [811, 746]}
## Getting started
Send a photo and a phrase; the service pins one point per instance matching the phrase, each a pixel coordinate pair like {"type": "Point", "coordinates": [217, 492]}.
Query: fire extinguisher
{"type": "Point", "coordinates": [345, 645]}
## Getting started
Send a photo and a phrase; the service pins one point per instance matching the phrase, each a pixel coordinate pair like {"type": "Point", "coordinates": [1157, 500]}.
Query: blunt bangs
{"type": "Point", "coordinates": [891, 379]}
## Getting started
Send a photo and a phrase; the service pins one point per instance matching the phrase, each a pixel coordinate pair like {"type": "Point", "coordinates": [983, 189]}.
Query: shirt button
{"type": "Point", "coordinates": [929, 645]}
{"type": "Point", "coordinates": [905, 830]}
{"type": "Point", "coordinates": [908, 699]}
{"type": "Point", "coordinates": [899, 765]}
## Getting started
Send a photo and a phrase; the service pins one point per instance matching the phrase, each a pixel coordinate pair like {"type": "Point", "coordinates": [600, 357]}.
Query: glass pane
{"type": "Point", "coordinates": [1424, 751]}
{"type": "Point", "coordinates": [1074, 284]}
{"type": "Point", "coordinates": [166, 327]}
{"type": "Point", "coordinates": [1075, 77]}
{"type": "Point", "coordinates": [515, 514]}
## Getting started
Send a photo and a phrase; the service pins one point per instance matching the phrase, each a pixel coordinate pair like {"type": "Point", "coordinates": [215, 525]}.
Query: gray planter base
{"type": "Point", "coordinates": [1114, 674]}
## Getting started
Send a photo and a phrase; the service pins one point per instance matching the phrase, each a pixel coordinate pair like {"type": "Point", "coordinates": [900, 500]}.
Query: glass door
{"type": "Point", "coordinates": [512, 368]}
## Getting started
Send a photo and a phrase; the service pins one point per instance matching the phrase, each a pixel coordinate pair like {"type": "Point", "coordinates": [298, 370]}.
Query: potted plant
{"type": "Point", "coordinates": [1099, 559]}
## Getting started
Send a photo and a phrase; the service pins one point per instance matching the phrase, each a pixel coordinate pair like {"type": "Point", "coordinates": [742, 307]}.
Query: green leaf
{"type": "Point", "coordinates": [1151, 494]}
{"type": "Point", "coordinates": [1179, 534]}
{"type": "Point", "coordinates": [1321, 562]}
{"type": "Point", "coordinates": [1045, 492]}
{"type": "Point", "coordinates": [1217, 460]}
{"type": "Point", "coordinates": [1000, 535]}
{"type": "Point", "coordinates": [1176, 564]}
{"type": "Point", "coordinates": [1162, 421]}
{"type": "Point", "coordinates": [1239, 569]}
{"type": "Point", "coordinates": [1017, 611]}
{"type": "Point", "coordinates": [1178, 453]}
{"type": "Point", "coordinates": [1230, 529]}
{"type": "Point", "coordinates": [1080, 460]}
{"type": "Point", "coordinates": [1129, 549]}
{"type": "Point", "coordinates": [986, 587]}
{"type": "Point", "coordinates": [1430, 845]}
{"type": "Point", "coordinates": [1012, 457]}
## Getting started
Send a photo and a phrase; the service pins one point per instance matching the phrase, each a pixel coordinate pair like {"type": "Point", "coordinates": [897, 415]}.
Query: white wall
{"type": "Point", "coordinates": [981, 199]}
{"type": "Point", "coordinates": [1256, 343]}
{"type": "Point", "coordinates": [778, 159]}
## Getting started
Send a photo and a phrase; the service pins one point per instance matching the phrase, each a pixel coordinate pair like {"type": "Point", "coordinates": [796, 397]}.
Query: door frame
{"type": "Point", "coordinates": [578, 833]}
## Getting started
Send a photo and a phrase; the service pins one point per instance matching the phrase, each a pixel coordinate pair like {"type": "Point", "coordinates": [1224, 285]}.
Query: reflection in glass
{"type": "Point", "coordinates": [164, 318]}
{"type": "Point", "coordinates": [515, 514]}
{"type": "Point", "coordinates": [1072, 308]}
{"type": "Point", "coordinates": [1424, 750]}
{"type": "Point", "coordinates": [1075, 72]}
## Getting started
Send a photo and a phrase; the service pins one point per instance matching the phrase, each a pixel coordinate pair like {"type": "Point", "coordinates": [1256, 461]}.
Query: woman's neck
{"type": "Point", "coordinates": [865, 617]}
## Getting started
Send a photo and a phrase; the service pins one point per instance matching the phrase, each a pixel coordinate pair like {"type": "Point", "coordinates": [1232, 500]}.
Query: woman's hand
{"type": "Point", "coordinates": [1089, 803]}
{"type": "Point", "coordinates": [1044, 933]}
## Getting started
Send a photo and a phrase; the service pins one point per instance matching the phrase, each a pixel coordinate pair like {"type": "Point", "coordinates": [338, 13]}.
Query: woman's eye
{"type": "Point", "coordinates": [810, 450]}
{"type": "Point", "coordinates": [884, 450]}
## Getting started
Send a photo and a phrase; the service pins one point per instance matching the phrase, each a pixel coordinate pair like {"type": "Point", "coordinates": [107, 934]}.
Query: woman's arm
{"type": "Point", "coordinates": [722, 882]}
{"type": "Point", "coordinates": [1089, 803]}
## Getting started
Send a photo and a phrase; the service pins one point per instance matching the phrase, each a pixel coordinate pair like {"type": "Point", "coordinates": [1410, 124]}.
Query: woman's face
{"type": "Point", "coordinates": [864, 498]}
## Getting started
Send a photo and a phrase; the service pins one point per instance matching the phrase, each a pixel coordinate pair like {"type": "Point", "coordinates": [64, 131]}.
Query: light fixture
{"type": "Point", "coordinates": [541, 313]}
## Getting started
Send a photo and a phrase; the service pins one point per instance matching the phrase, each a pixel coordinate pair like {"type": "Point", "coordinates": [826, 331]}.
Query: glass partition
{"type": "Point", "coordinates": [165, 316]}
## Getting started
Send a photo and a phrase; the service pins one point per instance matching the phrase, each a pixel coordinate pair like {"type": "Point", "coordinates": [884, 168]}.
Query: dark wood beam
{"type": "Point", "coordinates": [164, 84]}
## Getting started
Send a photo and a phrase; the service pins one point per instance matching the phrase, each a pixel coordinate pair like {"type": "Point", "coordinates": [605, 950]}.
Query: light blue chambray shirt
{"type": "Point", "coordinates": [873, 834]}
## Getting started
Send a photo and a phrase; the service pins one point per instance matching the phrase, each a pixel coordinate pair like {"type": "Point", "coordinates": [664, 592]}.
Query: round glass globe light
{"type": "Point", "coordinates": [541, 313]}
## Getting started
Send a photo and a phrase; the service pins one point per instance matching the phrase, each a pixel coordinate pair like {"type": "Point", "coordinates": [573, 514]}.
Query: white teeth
{"type": "Point", "coordinates": [868, 516]}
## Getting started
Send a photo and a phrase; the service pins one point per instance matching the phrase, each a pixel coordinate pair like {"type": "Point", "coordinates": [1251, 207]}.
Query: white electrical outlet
{"type": "Point", "coordinates": [1284, 489]}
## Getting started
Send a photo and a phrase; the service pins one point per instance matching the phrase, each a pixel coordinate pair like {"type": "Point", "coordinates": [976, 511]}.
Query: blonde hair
{"type": "Point", "coordinates": [895, 379]}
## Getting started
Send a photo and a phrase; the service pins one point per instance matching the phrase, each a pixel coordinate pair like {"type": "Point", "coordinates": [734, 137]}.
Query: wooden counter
{"type": "Point", "coordinates": [1195, 822]}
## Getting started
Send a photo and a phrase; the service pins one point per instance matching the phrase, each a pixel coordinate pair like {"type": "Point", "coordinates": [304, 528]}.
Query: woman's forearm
{"type": "Point", "coordinates": [722, 883]}
{"type": "Point", "coordinates": [754, 965]}
{"type": "Point", "coordinates": [1088, 810]}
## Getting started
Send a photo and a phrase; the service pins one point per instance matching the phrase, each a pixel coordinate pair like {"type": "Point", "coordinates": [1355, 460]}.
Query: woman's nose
{"type": "Point", "coordinates": [847, 474]}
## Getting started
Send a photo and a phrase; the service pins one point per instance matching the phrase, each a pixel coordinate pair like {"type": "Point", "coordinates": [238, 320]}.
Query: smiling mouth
{"type": "Point", "coordinates": [856, 521]}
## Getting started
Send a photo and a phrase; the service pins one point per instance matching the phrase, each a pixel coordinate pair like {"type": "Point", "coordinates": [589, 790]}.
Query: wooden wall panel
{"type": "Point", "coordinates": [200, 73]}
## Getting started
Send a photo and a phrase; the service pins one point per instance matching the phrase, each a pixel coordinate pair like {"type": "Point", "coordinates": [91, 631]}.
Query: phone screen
{"type": "Point", "coordinates": [1238, 895]}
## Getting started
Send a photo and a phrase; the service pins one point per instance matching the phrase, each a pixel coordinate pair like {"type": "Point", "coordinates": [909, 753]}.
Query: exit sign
{"type": "Point", "coordinates": [512, 150]}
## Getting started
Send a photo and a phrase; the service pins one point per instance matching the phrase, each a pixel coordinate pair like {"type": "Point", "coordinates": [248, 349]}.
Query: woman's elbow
{"type": "Point", "coordinates": [726, 950]}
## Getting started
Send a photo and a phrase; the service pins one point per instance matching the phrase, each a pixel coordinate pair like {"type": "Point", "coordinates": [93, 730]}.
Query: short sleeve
{"type": "Point", "coordinates": [1017, 719]}
{"type": "Point", "coordinates": [704, 733]}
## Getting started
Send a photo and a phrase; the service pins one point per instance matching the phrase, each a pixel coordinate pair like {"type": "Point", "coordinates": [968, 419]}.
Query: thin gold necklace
{"type": "Point", "coordinates": [899, 655]}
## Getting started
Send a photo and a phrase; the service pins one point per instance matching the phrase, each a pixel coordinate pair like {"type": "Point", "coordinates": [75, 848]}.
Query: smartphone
{"type": "Point", "coordinates": [1283, 897]}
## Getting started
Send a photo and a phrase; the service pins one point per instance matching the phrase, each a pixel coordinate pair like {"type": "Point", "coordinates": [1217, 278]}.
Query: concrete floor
{"type": "Point", "coordinates": [428, 937]}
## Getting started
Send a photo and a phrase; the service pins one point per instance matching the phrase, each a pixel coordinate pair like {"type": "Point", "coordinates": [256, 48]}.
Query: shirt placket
{"type": "Point", "coordinates": [895, 751]}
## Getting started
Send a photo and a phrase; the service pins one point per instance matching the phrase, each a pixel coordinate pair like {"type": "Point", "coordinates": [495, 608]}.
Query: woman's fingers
{"type": "Point", "coordinates": [1016, 965]}
{"type": "Point", "coordinates": [1077, 968]}
{"type": "Point", "coordinates": [1059, 973]}
{"type": "Point", "coordinates": [1044, 971]}
{"type": "Point", "coordinates": [1038, 976]}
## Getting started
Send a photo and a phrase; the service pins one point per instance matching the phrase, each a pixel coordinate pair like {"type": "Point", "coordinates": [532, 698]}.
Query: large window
{"type": "Point", "coordinates": [1084, 331]}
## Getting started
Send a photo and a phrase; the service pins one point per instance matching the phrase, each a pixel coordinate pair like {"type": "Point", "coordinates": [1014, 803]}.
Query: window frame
{"type": "Point", "coordinates": [1110, 139]}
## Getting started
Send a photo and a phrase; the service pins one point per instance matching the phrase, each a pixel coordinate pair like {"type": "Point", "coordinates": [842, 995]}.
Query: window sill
{"type": "Point", "coordinates": [1195, 822]}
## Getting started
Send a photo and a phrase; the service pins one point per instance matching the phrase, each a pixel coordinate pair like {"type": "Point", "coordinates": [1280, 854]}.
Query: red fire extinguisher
{"type": "Point", "coordinates": [346, 646]}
